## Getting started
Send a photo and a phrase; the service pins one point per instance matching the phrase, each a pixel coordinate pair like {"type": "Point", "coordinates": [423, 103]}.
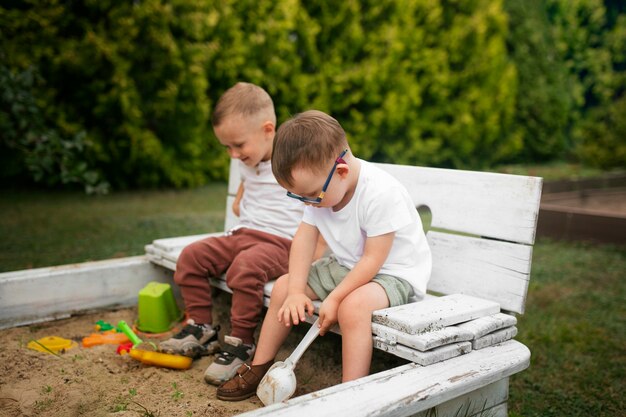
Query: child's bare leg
{"type": "Point", "coordinates": [355, 320]}
{"type": "Point", "coordinates": [273, 332]}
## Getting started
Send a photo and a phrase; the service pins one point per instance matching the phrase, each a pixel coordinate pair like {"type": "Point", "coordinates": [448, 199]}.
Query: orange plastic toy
{"type": "Point", "coordinates": [108, 338]}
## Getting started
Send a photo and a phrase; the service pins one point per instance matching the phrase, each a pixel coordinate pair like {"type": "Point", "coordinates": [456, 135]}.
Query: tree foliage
{"type": "Point", "coordinates": [543, 101]}
{"type": "Point", "coordinates": [466, 84]}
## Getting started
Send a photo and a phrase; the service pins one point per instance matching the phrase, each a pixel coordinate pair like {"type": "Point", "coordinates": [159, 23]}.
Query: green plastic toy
{"type": "Point", "coordinates": [136, 341]}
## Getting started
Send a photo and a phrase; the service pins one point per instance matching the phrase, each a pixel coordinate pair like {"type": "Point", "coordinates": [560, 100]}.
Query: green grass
{"type": "Point", "coordinates": [575, 327]}
{"type": "Point", "coordinates": [52, 228]}
{"type": "Point", "coordinates": [574, 324]}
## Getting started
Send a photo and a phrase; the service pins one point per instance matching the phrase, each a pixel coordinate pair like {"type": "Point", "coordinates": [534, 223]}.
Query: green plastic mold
{"type": "Point", "coordinates": [157, 309]}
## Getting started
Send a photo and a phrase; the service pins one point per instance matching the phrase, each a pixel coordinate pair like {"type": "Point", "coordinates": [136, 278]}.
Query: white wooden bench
{"type": "Point", "coordinates": [481, 236]}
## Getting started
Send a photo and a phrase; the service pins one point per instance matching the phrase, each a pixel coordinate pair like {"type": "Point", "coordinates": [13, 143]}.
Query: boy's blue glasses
{"type": "Point", "coordinates": [318, 200]}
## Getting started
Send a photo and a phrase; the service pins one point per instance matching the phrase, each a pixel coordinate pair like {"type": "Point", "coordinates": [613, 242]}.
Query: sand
{"type": "Point", "coordinates": [97, 381]}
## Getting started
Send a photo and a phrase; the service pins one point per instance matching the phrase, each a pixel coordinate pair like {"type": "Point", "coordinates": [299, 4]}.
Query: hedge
{"type": "Point", "coordinates": [129, 86]}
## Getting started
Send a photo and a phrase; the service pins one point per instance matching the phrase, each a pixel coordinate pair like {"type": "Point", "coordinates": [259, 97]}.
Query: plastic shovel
{"type": "Point", "coordinates": [279, 383]}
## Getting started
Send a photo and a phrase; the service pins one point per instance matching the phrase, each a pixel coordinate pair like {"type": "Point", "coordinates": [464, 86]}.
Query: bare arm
{"type": "Point", "coordinates": [300, 258]}
{"type": "Point", "coordinates": [374, 255]}
{"type": "Point", "coordinates": [321, 247]}
{"type": "Point", "coordinates": [238, 199]}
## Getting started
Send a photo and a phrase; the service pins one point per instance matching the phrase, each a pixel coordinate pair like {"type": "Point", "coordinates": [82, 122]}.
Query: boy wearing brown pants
{"type": "Point", "coordinates": [250, 254]}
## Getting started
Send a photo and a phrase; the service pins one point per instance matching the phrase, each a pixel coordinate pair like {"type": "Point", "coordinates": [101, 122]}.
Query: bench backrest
{"type": "Point", "coordinates": [481, 233]}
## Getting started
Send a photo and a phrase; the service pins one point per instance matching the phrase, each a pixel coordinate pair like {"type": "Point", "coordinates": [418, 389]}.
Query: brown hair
{"type": "Point", "coordinates": [311, 139]}
{"type": "Point", "coordinates": [243, 99]}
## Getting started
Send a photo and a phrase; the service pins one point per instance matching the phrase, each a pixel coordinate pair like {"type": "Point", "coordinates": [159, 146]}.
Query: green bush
{"type": "Point", "coordinates": [603, 136]}
{"type": "Point", "coordinates": [544, 101]}
{"type": "Point", "coordinates": [131, 75]}
{"type": "Point", "coordinates": [30, 144]}
{"type": "Point", "coordinates": [443, 83]}
{"type": "Point", "coordinates": [412, 81]}
{"type": "Point", "coordinates": [591, 39]}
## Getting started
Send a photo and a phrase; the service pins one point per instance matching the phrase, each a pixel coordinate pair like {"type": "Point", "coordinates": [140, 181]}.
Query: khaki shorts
{"type": "Point", "coordinates": [327, 273]}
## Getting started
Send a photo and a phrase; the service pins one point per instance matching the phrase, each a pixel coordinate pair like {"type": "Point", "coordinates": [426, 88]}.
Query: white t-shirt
{"type": "Point", "coordinates": [265, 205]}
{"type": "Point", "coordinates": [380, 205]}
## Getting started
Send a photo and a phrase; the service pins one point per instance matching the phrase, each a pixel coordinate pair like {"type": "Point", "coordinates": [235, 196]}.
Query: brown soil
{"type": "Point", "coordinates": [97, 382]}
{"type": "Point", "coordinates": [611, 201]}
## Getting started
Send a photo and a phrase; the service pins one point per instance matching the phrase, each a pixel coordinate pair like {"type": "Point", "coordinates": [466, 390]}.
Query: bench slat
{"type": "Point", "coordinates": [499, 206]}
{"type": "Point", "coordinates": [408, 389]}
{"type": "Point", "coordinates": [173, 243]}
{"type": "Point", "coordinates": [488, 269]}
{"type": "Point", "coordinates": [490, 401]}
{"type": "Point", "coordinates": [492, 270]}
{"type": "Point", "coordinates": [434, 314]}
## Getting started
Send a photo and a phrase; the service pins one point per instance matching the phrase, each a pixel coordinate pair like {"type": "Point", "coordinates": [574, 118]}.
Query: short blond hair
{"type": "Point", "coordinates": [246, 100]}
{"type": "Point", "coordinates": [311, 140]}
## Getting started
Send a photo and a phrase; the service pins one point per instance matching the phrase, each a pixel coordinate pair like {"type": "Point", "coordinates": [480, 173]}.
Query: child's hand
{"type": "Point", "coordinates": [328, 314]}
{"type": "Point", "coordinates": [293, 309]}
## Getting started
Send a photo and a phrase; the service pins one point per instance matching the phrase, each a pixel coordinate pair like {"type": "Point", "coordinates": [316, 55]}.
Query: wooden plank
{"type": "Point", "coordinates": [171, 255]}
{"type": "Point", "coordinates": [171, 243]}
{"type": "Point", "coordinates": [496, 337]}
{"type": "Point", "coordinates": [488, 324]}
{"type": "Point", "coordinates": [475, 403]}
{"type": "Point", "coordinates": [434, 314]}
{"type": "Point", "coordinates": [424, 341]}
{"type": "Point", "coordinates": [497, 271]}
{"type": "Point", "coordinates": [408, 389]}
{"type": "Point", "coordinates": [570, 223]}
{"type": "Point", "coordinates": [44, 294]}
{"type": "Point", "coordinates": [498, 206]}
{"type": "Point", "coordinates": [430, 357]}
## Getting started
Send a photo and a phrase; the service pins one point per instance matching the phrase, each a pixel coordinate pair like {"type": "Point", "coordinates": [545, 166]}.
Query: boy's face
{"type": "Point", "coordinates": [247, 139]}
{"type": "Point", "coordinates": [309, 184]}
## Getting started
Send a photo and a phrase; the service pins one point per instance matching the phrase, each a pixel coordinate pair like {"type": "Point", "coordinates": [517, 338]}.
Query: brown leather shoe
{"type": "Point", "coordinates": [243, 385]}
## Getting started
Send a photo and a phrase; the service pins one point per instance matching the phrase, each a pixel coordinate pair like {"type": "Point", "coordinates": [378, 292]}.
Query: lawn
{"type": "Point", "coordinates": [575, 321]}
{"type": "Point", "coordinates": [41, 228]}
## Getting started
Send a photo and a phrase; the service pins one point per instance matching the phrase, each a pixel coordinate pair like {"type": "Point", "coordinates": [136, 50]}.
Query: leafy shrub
{"type": "Point", "coordinates": [30, 143]}
{"type": "Point", "coordinates": [603, 134]}
{"type": "Point", "coordinates": [543, 101]}
{"type": "Point", "coordinates": [591, 38]}
{"type": "Point", "coordinates": [131, 75]}
{"type": "Point", "coordinates": [444, 82]}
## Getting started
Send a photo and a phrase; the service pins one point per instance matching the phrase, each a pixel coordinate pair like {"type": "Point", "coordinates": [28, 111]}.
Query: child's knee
{"type": "Point", "coordinates": [351, 313]}
{"type": "Point", "coordinates": [186, 260]}
{"type": "Point", "coordinates": [279, 291]}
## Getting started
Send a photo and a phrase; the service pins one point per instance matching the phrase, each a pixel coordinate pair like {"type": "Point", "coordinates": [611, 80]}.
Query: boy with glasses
{"type": "Point", "coordinates": [255, 251]}
{"type": "Point", "coordinates": [380, 257]}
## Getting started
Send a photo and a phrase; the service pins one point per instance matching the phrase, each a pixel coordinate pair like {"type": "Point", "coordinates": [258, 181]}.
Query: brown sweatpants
{"type": "Point", "coordinates": [249, 257]}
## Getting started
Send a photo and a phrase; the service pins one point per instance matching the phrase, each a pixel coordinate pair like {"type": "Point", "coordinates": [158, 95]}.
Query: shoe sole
{"type": "Point", "coordinates": [216, 382]}
{"type": "Point", "coordinates": [195, 351]}
{"type": "Point", "coordinates": [237, 398]}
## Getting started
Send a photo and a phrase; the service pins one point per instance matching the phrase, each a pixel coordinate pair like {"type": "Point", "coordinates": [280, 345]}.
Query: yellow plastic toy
{"type": "Point", "coordinates": [51, 344]}
{"type": "Point", "coordinates": [165, 360]}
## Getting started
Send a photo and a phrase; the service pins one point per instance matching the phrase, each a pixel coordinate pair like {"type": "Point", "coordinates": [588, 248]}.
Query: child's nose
{"type": "Point", "coordinates": [234, 153]}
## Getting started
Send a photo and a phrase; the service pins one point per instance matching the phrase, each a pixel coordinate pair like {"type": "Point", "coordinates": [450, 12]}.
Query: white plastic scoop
{"type": "Point", "coordinates": [279, 383]}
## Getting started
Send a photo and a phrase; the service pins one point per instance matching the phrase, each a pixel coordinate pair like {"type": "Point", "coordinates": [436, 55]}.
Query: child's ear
{"type": "Point", "coordinates": [268, 127]}
{"type": "Point", "coordinates": [342, 170]}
